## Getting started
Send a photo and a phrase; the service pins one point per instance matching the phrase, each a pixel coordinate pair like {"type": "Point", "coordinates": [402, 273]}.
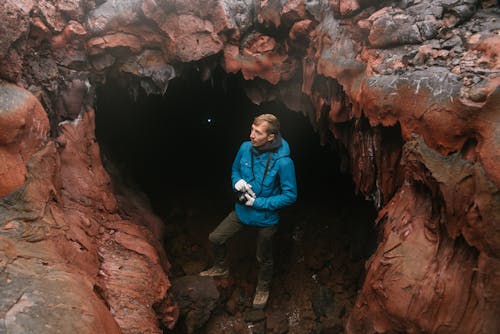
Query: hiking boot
{"type": "Point", "coordinates": [215, 272]}
{"type": "Point", "coordinates": [260, 299]}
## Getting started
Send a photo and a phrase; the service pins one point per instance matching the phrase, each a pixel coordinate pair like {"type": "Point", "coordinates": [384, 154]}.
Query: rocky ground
{"type": "Point", "coordinates": [321, 248]}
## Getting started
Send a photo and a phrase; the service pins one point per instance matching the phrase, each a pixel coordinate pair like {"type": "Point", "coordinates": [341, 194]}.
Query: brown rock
{"type": "Point", "coordinates": [300, 31]}
{"type": "Point", "coordinates": [391, 26]}
{"type": "Point", "coordinates": [15, 24]}
{"type": "Point", "coordinates": [197, 297]}
{"type": "Point", "coordinates": [345, 7]}
{"type": "Point", "coordinates": [111, 15]}
{"type": "Point", "coordinates": [51, 15]}
{"type": "Point", "coordinates": [71, 8]}
{"type": "Point", "coordinates": [293, 11]}
{"type": "Point", "coordinates": [39, 29]}
{"type": "Point", "coordinates": [269, 13]}
{"type": "Point", "coordinates": [11, 66]}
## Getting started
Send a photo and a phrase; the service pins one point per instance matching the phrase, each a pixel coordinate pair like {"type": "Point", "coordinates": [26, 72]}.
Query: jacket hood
{"type": "Point", "coordinates": [284, 149]}
{"type": "Point", "coordinates": [269, 146]}
{"type": "Point", "coordinates": [279, 143]}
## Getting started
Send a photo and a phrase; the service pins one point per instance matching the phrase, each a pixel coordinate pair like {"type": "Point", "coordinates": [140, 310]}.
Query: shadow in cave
{"type": "Point", "coordinates": [178, 149]}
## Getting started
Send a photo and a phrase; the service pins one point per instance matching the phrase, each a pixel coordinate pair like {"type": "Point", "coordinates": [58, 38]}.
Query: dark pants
{"type": "Point", "coordinates": [228, 228]}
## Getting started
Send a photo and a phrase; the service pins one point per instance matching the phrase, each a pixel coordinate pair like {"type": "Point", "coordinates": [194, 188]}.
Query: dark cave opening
{"type": "Point", "coordinates": [178, 149]}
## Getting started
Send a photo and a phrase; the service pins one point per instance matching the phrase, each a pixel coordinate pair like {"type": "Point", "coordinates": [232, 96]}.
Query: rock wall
{"type": "Point", "coordinates": [76, 254]}
{"type": "Point", "coordinates": [409, 88]}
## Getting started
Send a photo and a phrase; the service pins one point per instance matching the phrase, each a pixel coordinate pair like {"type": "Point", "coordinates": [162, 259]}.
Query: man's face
{"type": "Point", "coordinates": [259, 135]}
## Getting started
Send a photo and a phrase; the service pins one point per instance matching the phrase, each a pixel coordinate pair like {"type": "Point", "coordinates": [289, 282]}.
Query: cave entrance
{"type": "Point", "coordinates": [178, 149]}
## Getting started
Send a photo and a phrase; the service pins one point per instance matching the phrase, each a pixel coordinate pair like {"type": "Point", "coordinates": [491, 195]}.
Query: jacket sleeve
{"type": "Point", "coordinates": [288, 186]}
{"type": "Point", "coordinates": [235, 171]}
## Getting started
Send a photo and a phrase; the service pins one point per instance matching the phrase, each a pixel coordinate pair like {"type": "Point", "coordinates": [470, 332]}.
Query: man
{"type": "Point", "coordinates": [263, 174]}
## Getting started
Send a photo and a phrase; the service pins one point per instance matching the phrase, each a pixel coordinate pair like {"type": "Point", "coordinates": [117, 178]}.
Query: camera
{"type": "Point", "coordinates": [240, 197]}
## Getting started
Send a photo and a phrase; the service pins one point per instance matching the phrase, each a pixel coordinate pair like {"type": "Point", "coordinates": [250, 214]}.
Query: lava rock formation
{"type": "Point", "coordinates": [410, 88]}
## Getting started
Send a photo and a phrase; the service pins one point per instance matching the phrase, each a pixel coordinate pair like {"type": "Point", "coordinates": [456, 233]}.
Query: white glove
{"type": "Point", "coordinates": [243, 186]}
{"type": "Point", "coordinates": [250, 199]}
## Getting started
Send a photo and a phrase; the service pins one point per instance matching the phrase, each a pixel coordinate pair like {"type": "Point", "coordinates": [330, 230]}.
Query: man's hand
{"type": "Point", "coordinates": [245, 187]}
{"type": "Point", "coordinates": [250, 199]}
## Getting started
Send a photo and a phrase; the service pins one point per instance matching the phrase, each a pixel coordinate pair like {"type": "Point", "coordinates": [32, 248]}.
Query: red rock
{"type": "Point", "coordinates": [293, 11]}
{"type": "Point", "coordinates": [11, 66]}
{"type": "Point", "coordinates": [191, 37]}
{"type": "Point", "coordinates": [137, 245]}
{"type": "Point", "coordinates": [39, 29]}
{"type": "Point", "coordinates": [345, 7]}
{"type": "Point", "coordinates": [119, 40]}
{"type": "Point", "coordinates": [68, 237]}
{"type": "Point", "coordinates": [491, 47]}
{"type": "Point", "coordinates": [71, 8]}
{"type": "Point", "coordinates": [431, 249]}
{"type": "Point", "coordinates": [259, 58]}
{"type": "Point", "coordinates": [488, 143]}
{"type": "Point", "coordinates": [51, 15]}
{"type": "Point", "coordinates": [15, 24]}
{"type": "Point", "coordinates": [71, 31]}
{"type": "Point", "coordinates": [23, 130]}
{"type": "Point", "coordinates": [301, 30]}
{"type": "Point", "coordinates": [269, 13]}
{"type": "Point", "coordinates": [392, 26]}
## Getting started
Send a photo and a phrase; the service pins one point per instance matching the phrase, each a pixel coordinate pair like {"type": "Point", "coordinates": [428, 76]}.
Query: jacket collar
{"type": "Point", "coordinates": [270, 146]}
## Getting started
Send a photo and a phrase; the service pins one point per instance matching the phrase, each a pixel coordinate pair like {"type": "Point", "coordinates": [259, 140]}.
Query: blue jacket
{"type": "Point", "coordinates": [277, 190]}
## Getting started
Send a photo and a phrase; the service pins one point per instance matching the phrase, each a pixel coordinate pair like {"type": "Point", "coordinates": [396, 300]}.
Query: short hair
{"type": "Point", "coordinates": [273, 121]}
